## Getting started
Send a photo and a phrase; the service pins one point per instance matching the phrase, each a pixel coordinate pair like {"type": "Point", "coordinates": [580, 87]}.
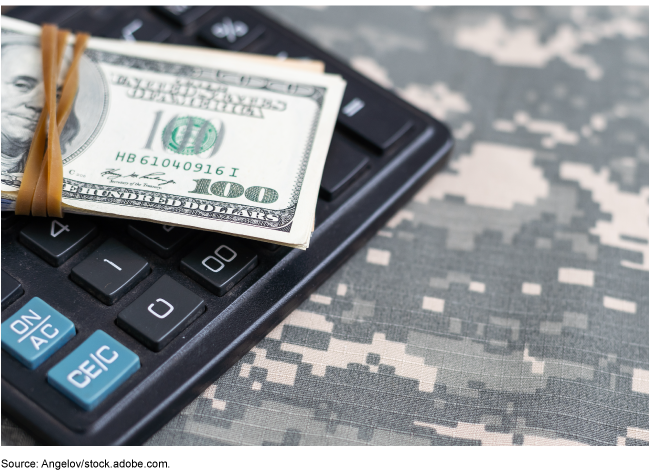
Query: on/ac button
{"type": "Point", "coordinates": [35, 332]}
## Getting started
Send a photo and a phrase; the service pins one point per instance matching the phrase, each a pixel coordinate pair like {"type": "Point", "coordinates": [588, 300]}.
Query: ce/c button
{"type": "Point", "coordinates": [93, 370]}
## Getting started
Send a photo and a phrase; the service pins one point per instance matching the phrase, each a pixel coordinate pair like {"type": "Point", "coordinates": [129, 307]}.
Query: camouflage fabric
{"type": "Point", "coordinates": [507, 304]}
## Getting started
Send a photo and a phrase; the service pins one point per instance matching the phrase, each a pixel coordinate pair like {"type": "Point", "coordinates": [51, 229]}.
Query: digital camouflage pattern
{"type": "Point", "coordinates": [507, 304]}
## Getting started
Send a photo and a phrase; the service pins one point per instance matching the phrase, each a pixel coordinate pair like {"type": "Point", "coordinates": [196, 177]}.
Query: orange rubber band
{"type": "Point", "coordinates": [42, 183]}
{"type": "Point", "coordinates": [34, 162]}
{"type": "Point", "coordinates": [49, 49]}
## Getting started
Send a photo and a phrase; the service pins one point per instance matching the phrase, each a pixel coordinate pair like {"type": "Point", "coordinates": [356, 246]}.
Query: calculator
{"type": "Point", "coordinates": [110, 327]}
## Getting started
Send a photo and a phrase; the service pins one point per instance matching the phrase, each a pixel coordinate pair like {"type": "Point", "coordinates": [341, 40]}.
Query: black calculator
{"type": "Point", "coordinates": [110, 327]}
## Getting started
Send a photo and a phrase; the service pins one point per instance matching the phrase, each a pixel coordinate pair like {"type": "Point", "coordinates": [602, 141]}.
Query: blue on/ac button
{"type": "Point", "coordinates": [35, 332]}
{"type": "Point", "coordinates": [93, 370]}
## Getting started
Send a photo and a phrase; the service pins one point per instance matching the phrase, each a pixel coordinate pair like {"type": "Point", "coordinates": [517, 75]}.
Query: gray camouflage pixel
{"type": "Point", "coordinates": [507, 304]}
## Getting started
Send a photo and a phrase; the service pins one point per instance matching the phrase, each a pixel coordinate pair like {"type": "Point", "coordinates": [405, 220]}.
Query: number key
{"type": "Point", "coordinates": [56, 240]}
{"type": "Point", "coordinates": [232, 31]}
{"type": "Point", "coordinates": [284, 48]}
{"type": "Point", "coordinates": [372, 117]}
{"type": "Point", "coordinates": [139, 29]}
{"type": "Point", "coordinates": [161, 313]}
{"type": "Point", "coordinates": [183, 15]}
{"type": "Point", "coordinates": [162, 239]}
{"type": "Point", "coordinates": [110, 271]}
{"type": "Point", "coordinates": [219, 263]}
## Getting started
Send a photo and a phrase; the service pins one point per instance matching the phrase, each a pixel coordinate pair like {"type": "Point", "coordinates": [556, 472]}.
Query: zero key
{"type": "Point", "coordinates": [161, 313]}
{"type": "Point", "coordinates": [373, 117]}
{"type": "Point", "coordinates": [219, 263]}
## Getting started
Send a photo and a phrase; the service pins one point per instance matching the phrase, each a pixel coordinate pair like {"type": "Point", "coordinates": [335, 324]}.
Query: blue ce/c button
{"type": "Point", "coordinates": [35, 332]}
{"type": "Point", "coordinates": [93, 370]}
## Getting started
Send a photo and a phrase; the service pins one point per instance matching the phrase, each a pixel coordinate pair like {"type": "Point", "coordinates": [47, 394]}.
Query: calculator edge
{"type": "Point", "coordinates": [419, 165]}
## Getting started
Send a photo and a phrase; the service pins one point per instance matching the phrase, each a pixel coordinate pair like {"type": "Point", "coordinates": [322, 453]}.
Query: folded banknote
{"type": "Point", "coordinates": [178, 135]}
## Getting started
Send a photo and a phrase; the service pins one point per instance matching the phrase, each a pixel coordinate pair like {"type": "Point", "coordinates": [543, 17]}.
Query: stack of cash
{"type": "Point", "coordinates": [183, 136]}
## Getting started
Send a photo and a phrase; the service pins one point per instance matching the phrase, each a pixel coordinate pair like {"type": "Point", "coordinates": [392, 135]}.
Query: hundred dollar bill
{"type": "Point", "coordinates": [178, 135]}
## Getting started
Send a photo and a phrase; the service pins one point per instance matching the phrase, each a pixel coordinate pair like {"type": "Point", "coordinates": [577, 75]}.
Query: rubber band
{"type": "Point", "coordinates": [69, 91]}
{"type": "Point", "coordinates": [33, 165]}
{"type": "Point", "coordinates": [71, 82]}
{"type": "Point", "coordinates": [47, 176]}
{"type": "Point", "coordinates": [42, 184]}
{"type": "Point", "coordinates": [49, 50]}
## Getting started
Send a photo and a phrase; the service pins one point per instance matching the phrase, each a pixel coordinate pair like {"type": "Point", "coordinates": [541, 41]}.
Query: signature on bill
{"type": "Point", "coordinates": [113, 174]}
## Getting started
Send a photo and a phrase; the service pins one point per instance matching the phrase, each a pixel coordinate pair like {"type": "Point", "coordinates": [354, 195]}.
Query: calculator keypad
{"type": "Point", "coordinates": [56, 240]}
{"type": "Point", "coordinates": [219, 263]}
{"type": "Point", "coordinates": [161, 313]}
{"type": "Point", "coordinates": [110, 271]}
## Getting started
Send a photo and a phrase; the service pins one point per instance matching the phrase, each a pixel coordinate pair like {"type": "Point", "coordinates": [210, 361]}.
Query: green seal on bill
{"type": "Point", "coordinates": [189, 135]}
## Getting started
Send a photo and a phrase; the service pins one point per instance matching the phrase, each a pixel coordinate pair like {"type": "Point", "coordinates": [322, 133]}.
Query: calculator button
{"type": "Point", "coordinates": [268, 246]}
{"type": "Point", "coordinates": [344, 165]}
{"type": "Point", "coordinates": [283, 48]}
{"type": "Point", "coordinates": [372, 117]}
{"type": "Point", "coordinates": [93, 370]}
{"type": "Point", "coordinates": [11, 290]}
{"type": "Point", "coordinates": [9, 218]}
{"type": "Point", "coordinates": [35, 332]}
{"type": "Point", "coordinates": [183, 15]}
{"type": "Point", "coordinates": [161, 313]}
{"type": "Point", "coordinates": [219, 263]}
{"type": "Point", "coordinates": [110, 271]}
{"type": "Point", "coordinates": [56, 240]}
{"type": "Point", "coordinates": [162, 239]}
{"type": "Point", "coordinates": [232, 30]}
{"type": "Point", "coordinates": [139, 29]}
{"type": "Point", "coordinates": [92, 19]}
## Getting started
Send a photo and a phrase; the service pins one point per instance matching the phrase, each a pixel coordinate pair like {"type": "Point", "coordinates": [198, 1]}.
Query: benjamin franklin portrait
{"type": "Point", "coordinates": [23, 98]}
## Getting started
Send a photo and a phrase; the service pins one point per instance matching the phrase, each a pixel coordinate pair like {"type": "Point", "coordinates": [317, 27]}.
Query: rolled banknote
{"type": "Point", "coordinates": [178, 135]}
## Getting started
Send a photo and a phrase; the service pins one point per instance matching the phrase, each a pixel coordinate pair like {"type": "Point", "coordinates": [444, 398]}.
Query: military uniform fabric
{"type": "Point", "coordinates": [507, 303]}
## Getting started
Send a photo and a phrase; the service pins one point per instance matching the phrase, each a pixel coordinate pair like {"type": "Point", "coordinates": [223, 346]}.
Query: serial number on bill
{"type": "Point", "coordinates": [179, 165]}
